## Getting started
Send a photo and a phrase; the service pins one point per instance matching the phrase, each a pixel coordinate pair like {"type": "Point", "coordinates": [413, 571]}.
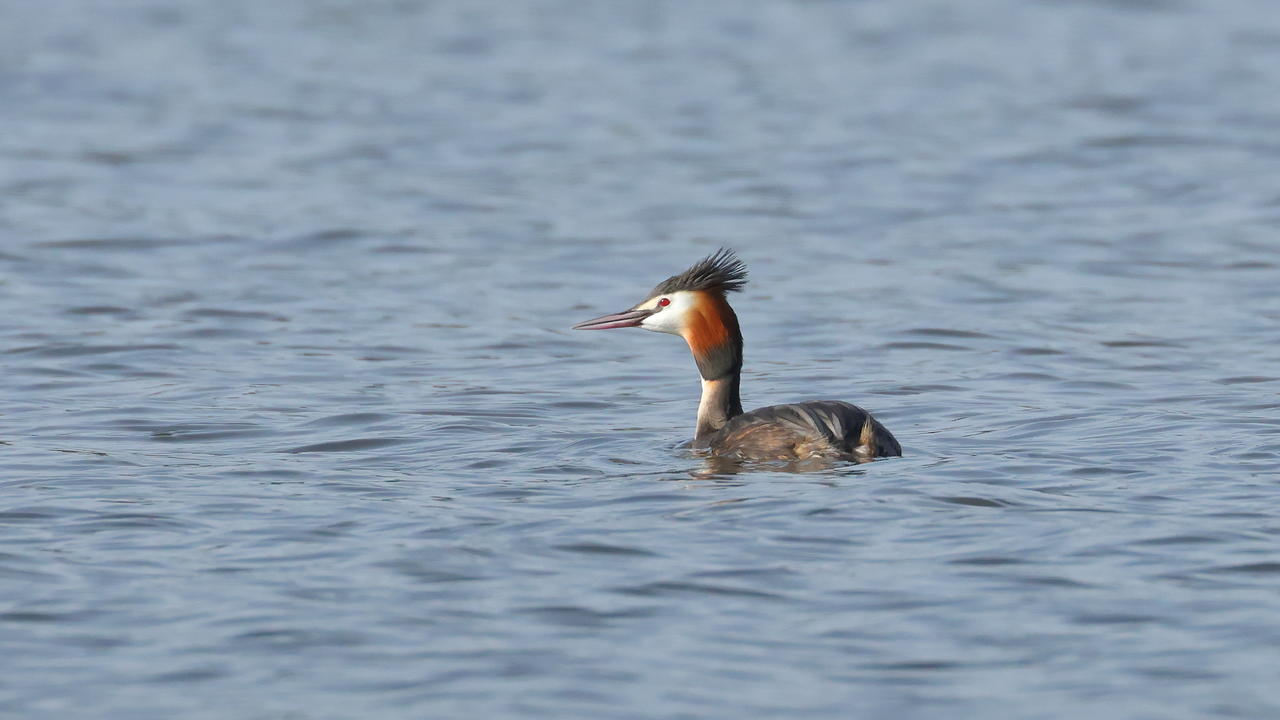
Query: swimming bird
{"type": "Point", "coordinates": [693, 306]}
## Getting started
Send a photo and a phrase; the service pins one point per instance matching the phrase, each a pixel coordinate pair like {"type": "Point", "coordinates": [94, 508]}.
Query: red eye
{"type": "Point", "coordinates": [664, 302]}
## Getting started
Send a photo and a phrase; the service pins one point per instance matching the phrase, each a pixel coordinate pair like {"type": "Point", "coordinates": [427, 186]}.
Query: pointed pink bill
{"type": "Point", "coordinates": [630, 318]}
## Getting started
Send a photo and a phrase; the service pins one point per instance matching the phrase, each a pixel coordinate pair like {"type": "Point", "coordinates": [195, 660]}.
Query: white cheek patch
{"type": "Point", "coordinates": [669, 319]}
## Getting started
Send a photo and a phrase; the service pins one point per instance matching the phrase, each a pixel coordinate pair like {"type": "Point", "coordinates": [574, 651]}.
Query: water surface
{"type": "Point", "coordinates": [294, 426]}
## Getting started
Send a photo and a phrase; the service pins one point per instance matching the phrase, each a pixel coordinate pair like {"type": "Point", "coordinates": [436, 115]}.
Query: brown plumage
{"type": "Point", "coordinates": [820, 428]}
{"type": "Point", "coordinates": [711, 324]}
{"type": "Point", "coordinates": [693, 306]}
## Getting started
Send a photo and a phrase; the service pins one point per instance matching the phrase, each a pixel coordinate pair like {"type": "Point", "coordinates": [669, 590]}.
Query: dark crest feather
{"type": "Point", "coordinates": [721, 271]}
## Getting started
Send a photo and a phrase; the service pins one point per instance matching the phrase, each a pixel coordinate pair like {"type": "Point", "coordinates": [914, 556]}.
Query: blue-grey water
{"type": "Point", "coordinates": [293, 426]}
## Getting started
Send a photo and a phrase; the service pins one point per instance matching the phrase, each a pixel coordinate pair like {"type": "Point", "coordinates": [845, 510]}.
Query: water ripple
{"type": "Point", "coordinates": [289, 373]}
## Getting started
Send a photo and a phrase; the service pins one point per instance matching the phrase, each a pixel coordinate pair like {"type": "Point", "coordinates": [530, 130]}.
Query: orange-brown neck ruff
{"type": "Point", "coordinates": [711, 329]}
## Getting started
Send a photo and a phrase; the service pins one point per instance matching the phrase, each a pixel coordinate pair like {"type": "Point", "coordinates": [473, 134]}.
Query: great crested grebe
{"type": "Point", "coordinates": [693, 306]}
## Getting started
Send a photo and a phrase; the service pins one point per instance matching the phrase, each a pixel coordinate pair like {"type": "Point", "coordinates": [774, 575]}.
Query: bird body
{"type": "Point", "coordinates": [817, 428]}
{"type": "Point", "coordinates": [693, 306]}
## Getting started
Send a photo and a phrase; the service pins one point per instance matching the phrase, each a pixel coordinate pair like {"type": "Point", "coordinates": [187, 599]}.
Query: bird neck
{"type": "Point", "coordinates": [716, 343]}
{"type": "Point", "coordinates": [720, 402]}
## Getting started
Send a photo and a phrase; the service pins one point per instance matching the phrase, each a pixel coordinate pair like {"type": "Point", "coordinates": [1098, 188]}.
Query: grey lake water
{"type": "Point", "coordinates": [294, 427]}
